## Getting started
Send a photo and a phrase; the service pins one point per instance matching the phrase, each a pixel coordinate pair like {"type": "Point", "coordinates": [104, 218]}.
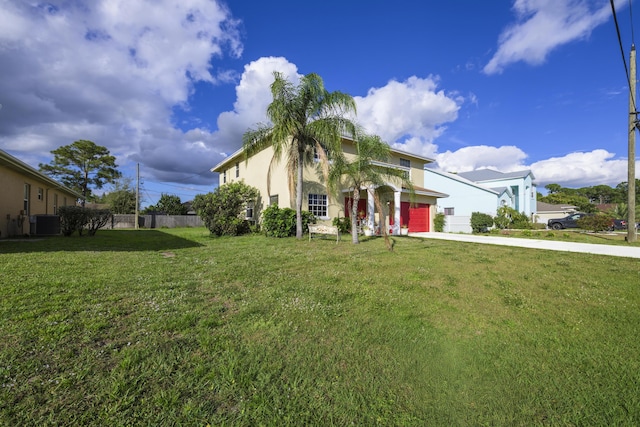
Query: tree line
{"type": "Point", "coordinates": [586, 199]}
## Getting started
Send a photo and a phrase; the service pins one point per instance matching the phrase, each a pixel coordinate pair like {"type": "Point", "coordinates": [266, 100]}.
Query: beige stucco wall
{"type": "Point", "coordinates": [254, 173]}
{"type": "Point", "coordinates": [12, 200]}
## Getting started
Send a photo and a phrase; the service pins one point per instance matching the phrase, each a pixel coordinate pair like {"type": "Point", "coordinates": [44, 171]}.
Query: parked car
{"type": "Point", "coordinates": [570, 221]}
{"type": "Point", "coordinates": [621, 224]}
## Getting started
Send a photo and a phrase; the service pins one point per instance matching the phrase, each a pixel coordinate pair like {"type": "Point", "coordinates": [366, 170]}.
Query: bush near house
{"type": "Point", "coordinates": [595, 223]}
{"type": "Point", "coordinates": [278, 222]}
{"type": "Point", "coordinates": [77, 218]}
{"type": "Point", "coordinates": [510, 218]}
{"type": "Point", "coordinates": [224, 211]}
{"type": "Point", "coordinates": [481, 222]}
{"type": "Point", "coordinates": [438, 222]}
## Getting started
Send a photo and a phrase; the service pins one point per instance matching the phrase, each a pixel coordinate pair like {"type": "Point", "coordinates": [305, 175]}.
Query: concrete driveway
{"type": "Point", "coordinates": [611, 250]}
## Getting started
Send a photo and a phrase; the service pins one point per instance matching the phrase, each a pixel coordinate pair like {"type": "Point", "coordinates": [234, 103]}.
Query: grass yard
{"type": "Point", "coordinates": [172, 327]}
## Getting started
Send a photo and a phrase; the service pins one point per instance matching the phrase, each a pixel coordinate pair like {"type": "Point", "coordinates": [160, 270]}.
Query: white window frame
{"type": "Point", "coordinates": [450, 211]}
{"type": "Point", "coordinates": [320, 206]}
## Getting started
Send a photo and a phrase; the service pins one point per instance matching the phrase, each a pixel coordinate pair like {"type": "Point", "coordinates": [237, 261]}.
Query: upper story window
{"type": "Point", "coordinates": [406, 163]}
{"type": "Point", "coordinates": [316, 155]}
{"type": "Point", "coordinates": [237, 169]}
{"type": "Point", "coordinates": [318, 204]}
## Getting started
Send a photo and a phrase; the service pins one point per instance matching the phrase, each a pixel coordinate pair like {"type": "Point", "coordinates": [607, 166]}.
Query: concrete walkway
{"type": "Point", "coordinates": [611, 250]}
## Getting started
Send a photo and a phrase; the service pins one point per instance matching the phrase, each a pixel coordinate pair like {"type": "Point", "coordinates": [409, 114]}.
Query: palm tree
{"type": "Point", "coordinates": [305, 120]}
{"type": "Point", "coordinates": [366, 170]}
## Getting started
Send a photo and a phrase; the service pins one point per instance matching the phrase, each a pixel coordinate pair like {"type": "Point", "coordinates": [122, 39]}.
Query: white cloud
{"type": "Point", "coordinates": [543, 25]}
{"type": "Point", "coordinates": [505, 159]}
{"type": "Point", "coordinates": [110, 71]}
{"type": "Point", "coordinates": [253, 95]}
{"type": "Point", "coordinates": [577, 170]}
{"type": "Point", "coordinates": [413, 108]}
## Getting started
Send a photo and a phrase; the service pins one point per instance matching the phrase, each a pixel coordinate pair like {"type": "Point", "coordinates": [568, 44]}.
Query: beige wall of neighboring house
{"type": "Point", "coordinates": [275, 189]}
{"type": "Point", "coordinates": [25, 192]}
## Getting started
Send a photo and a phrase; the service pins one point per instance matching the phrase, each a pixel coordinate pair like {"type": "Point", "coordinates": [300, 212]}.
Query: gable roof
{"type": "Point", "coordinates": [549, 207]}
{"type": "Point", "coordinates": [18, 165]}
{"type": "Point", "coordinates": [461, 179]}
{"type": "Point", "coordinates": [483, 175]}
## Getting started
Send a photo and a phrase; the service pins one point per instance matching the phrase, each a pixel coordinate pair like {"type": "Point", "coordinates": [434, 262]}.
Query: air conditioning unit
{"type": "Point", "coordinates": [45, 225]}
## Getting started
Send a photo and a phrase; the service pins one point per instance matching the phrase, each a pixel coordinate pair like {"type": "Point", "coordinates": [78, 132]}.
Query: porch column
{"type": "Point", "coordinates": [396, 212]}
{"type": "Point", "coordinates": [370, 209]}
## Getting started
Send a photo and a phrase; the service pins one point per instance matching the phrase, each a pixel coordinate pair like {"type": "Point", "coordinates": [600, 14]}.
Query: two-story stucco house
{"type": "Point", "coordinates": [27, 194]}
{"type": "Point", "coordinates": [400, 209]}
{"type": "Point", "coordinates": [483, 190]}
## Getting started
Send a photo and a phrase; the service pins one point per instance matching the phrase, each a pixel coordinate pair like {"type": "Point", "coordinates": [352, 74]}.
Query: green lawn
{"type": "Point", "coordinates": [172, 327]}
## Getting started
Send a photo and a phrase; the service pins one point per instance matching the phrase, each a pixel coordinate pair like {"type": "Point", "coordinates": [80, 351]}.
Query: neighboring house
{"type": "Point", "coordinates": [546, 211]}
{"type": "Point", "coordinates": [399, 208]}
{"type": "Point", "coordinates": [483, 190]}
{"type": "Point", "coordinates": [465, 197]}
{"type": "Point", "coordinates": [521, 185]}
{"type": "Point", "coordinates": [27, 196]}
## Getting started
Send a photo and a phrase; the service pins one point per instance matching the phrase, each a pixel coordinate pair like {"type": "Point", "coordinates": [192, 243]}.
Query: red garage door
{"type": "Point", "coordinates": [419, 218]}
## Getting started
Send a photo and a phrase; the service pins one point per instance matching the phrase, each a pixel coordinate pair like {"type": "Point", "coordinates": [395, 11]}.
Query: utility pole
{"type": "Point", "coordinates": [137, 194]}
{"type": "Point", "coordinates": [631, 168]}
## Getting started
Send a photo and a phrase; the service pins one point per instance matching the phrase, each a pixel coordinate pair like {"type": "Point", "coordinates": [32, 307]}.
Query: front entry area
{"type": "Point", "coordinates": [416, 216]}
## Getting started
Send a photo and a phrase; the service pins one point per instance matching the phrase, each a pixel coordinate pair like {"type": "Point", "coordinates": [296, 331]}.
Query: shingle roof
{"type": "Point", "coordinates": [481, 175]}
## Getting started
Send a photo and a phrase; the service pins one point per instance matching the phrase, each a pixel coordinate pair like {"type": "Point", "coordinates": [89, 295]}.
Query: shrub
{"type": "Point", "coordinates": [224, 211]}
{"type": "Point", "coordinates": [343, 224]}
{"type": "Point", "coordinates": [527, 233]}
{"type": "Point", "coordinates": [510, 218]}
{"type": "Point", "coordinates": [438, 222]}
{"type": "Point", "coordinates": [98, 218]}
{"type": "Point", "coordinates": [595, 223]}
{"type": "Point", "coordinates": [481, 222]}
{"type": "Point", "coordinates": [278, 222]}
{"type": "Point", "coordinates": [77, 218]}
{"type": "Point", "coordinates": [72, 219]}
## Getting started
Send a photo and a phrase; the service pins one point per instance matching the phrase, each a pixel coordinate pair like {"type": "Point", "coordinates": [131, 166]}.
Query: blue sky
{"type": "Point", "coordinates": [173, 84]}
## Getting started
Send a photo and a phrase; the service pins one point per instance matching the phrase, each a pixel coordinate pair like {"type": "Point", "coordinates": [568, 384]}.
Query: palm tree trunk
{"type": "Point", "coordinates": [299, 196]}
{"type": "Point", "coordinates": [354, 216]}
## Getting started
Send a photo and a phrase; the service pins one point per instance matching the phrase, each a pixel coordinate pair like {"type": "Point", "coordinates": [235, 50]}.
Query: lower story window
{"type": "Point", "coordinates": [318, 204]}
{"type": "Point", "coordinates": [249, 213]}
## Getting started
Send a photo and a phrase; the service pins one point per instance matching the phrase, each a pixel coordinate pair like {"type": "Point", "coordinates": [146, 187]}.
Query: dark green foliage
{"type": "Point", "coordinates": [224, 210]}
{"type": "Point", "coordinates": [82, 165]}
{"type": "Point", "coordinates": [438, 222]}
{"type": "Point", "coordinates": [481, 222]}
{"type": "Point", "coordinates": [122, 199]}
{"type": "Point", "coordinates": [278, 222]}
{"type": "Point", "coordinates": [343, 224]}
{"type": "Point", "coordinates": [77, 218]}
{"type": "Point", "coordinates": [72, 219]}
{"type": "Point", "coordinates": [595, 223]}
{"type": "Point", "coordinates": [170, 205]}
{"type": "Point", "coordinates": [98, 218]}
{"type": "Point", "coordinates": [510, 218]}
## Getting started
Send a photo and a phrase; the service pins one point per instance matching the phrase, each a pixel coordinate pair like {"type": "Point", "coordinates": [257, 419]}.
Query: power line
{"type": "Point", "coordinates": [624, 61]}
